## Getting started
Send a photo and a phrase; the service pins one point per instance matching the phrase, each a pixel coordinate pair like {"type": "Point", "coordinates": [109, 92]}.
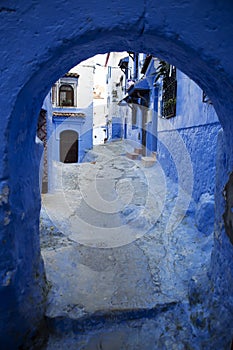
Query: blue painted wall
{"type": "Point", "coordinates": [201, 144]}
{"type": "Point", "coordinates": [197, 125]}
{"type": "Point", "coordinates": [134, 132]}
{"type": "Point", "coordinates": [55, 125]}
{"type": "Point", "coordinates": [151, 137]}
{"type": "Point", "coordinates": [152, 127]}
{"type": "Point", "coordinates": [117, 128]}
{"type": "Point", "coordinates": [83, 126]}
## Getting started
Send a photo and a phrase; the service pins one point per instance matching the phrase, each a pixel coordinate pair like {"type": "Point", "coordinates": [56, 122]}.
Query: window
{"type": "Point", "coordinates": [169, 88]}
{"type": "Point", "coordinates": [169, 93]}
{"type": "Point", "coordinates": [66, 95]}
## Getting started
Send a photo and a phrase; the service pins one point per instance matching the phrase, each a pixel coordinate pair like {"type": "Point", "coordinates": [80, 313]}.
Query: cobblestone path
{"type": "Point", "coordinates": [119, 278]}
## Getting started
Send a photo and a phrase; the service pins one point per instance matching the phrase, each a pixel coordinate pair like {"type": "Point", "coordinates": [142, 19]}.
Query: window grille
{"type": "Point", "coordinates": [169, 94]}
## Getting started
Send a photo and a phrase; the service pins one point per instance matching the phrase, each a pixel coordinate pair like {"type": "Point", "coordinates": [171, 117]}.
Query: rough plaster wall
{"type": "Point", "coordinates": [38, 45]}
{"type": "Point", "coordinates": [201, 142]}
{"type": "Point", "coordinates": [190, 110]}
{"type": "Point", "coordinates": [198, 125]}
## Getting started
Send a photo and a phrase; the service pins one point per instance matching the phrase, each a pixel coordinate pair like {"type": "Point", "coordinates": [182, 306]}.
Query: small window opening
{"type": "Point", "coordinates": [66, 95]}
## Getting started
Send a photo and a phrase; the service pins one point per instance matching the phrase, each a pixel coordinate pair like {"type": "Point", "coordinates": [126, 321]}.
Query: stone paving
{"type": "Point", "coordinates": [119, 255]}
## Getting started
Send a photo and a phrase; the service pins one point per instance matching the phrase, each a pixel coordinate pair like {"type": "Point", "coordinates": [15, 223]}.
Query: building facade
{"type": "Point", "coordinates": [164, 111]}
{"type": "Point", "coordinates": [69, 121]}
{"type": "Point", "coordinates": [193, 128]}
{"type": "Point", "coordinates": [72, 114]}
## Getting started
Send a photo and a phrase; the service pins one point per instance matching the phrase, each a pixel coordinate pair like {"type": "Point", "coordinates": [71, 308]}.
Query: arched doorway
{"type": "Point", "coordinates": [200, 45]}
{"type": "Point", "coordinates": [69, 146]}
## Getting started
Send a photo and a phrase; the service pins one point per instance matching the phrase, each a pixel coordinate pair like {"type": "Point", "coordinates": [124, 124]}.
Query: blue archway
{"type": "Point", "coordinates": [194, 36]}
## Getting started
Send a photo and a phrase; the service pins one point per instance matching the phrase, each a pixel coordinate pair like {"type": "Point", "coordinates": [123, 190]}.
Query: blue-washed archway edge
{"type": "Point", "coordinates": [40, 41]}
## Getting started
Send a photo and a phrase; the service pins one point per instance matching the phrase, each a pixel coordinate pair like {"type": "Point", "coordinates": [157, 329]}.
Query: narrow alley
{"type": "Point", "coordinates": [115, 256]}
{"type": "Point", "coordinates": [117, 275]}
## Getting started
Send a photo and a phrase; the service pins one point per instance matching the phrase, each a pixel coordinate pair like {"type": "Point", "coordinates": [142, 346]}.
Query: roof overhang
{"type": "Point", "coordinates": [68, 115]}
{"type": "Point", "coordinates": [141, 86]}
{"type": "Point", "coordinates": [71, 75]}
{"type": "Point", "coordinates": [123, 63]}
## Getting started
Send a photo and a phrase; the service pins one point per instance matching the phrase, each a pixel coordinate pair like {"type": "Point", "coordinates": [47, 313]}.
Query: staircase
{"type": "Point", "coordinates": [147, 161]}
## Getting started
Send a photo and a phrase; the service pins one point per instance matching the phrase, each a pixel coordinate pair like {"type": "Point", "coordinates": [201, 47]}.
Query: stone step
{"type": "Point", "coordinates": [132, 155]}
{"type": "Point", "coordinates": [138, 150]}
{"type": "Point", "coordinates": [111, 330]}
{"type": "Point", "coordinates": [148, 161]}
{"type": "Point", "coordinates": [104, 318]}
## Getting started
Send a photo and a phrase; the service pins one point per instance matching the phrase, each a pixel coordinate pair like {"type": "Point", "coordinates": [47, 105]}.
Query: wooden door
{"type": "Point", "coordinates": [69, 146]}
